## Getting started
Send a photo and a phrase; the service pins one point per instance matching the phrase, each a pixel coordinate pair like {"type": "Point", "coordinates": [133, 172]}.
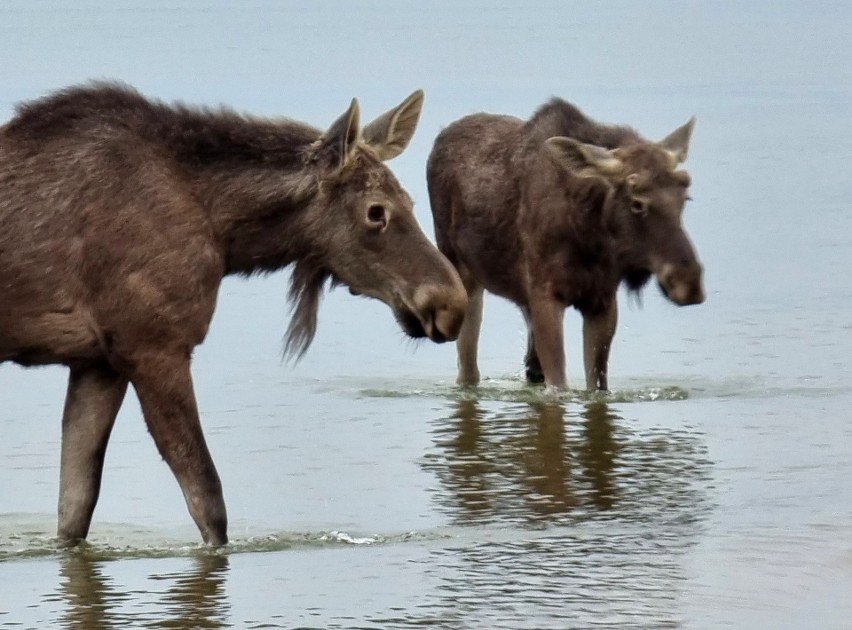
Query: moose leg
{"type": "Point", "coordinates": [598, 331]}
{"type": "Point", "coordinates": [531, 362]}
{"type": "Point", "coordinates": [163, 384]}
{"type": "Point", "coordinates": [546, 319]}
{"type": "Point", "coordinates": [94, 396]}
{"type": "Point", "coordinates": [468, 341]}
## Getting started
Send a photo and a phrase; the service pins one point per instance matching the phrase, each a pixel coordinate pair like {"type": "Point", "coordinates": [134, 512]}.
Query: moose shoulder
{"type": "Point", "coordinates": [557, 211]}
{"type": "Point", "coordinates": [119, 217]}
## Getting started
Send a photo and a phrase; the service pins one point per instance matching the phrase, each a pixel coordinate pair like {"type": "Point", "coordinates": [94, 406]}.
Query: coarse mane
{"type": "Point", "coordinates": [560, 118]}
{"type": "Point", "coordinates": [197, 135]}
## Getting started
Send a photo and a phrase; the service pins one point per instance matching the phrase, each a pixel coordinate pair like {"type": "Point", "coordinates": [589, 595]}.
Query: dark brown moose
{"type": "Point", "coordinates": [557, 211]}
{"type": "Point", "coordinates": [119, 217]}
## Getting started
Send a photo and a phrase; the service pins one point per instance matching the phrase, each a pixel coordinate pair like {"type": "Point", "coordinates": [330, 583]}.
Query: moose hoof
{"type": "Point", "coordinates": [535, 375]}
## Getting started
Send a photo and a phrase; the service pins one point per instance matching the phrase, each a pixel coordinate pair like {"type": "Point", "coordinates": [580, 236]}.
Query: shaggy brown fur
{"type": "Point", "coordinates": [119, 217]}
{"type": "Point", "coordinates": [554, 212]}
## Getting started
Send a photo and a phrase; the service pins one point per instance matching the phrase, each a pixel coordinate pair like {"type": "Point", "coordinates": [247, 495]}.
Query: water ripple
{"type": "Point", "coordinates": [516, 390]}
{"type": "Point", "coordinates": [40, 544]}
{"type": "Point", "coordinates": [541, 464]}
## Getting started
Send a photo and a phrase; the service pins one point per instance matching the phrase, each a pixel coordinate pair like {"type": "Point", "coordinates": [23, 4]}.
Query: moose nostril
{"type": "Point", "coordinates": [666, 274]}
{"type": "Point", "coordinates": [441, 311]}
{"type": "Point", "coordinates": [435, 333]}
{"type": "Point", "coordinates": [447, 323]}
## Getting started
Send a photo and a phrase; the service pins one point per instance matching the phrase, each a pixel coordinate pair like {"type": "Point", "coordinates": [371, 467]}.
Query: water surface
{"type": "Point", "coordinates": [709, 489]}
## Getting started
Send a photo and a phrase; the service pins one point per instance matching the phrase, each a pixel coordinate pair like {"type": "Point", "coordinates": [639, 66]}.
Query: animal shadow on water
{"type": "Point", "coordinates": [119, 218]}
{"type": "Point", "coordinates": [194, 598]}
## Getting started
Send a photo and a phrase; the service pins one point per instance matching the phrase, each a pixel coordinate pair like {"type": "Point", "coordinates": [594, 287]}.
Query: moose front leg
{"type": "Point", "coordinates": [546, 315]}
{"type": "Point", "coordinates": [163, 384]}
{"type": "Point", "coordinates": [92, 402]}
{"type": "Point", "coordinates": [468, 340]}
{"type": "Point", "coordinates": [598, 331]}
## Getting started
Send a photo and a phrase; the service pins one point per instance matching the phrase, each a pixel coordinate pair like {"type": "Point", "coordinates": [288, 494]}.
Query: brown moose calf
{"type": "Point", "coordinates": [554, 212]}
{"type": "Point", "coordinates": [119, 216]}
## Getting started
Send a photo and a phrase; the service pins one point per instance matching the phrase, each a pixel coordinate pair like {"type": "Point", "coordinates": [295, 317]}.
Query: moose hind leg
{"type": "Point", "coordinates": [468, 341]}
{"type": "Point", "coordinates": [92, 402]}
{"type": "Point", "coordinates": [532, 365]}
{"type": "Point", "coordinates": [164, 386]}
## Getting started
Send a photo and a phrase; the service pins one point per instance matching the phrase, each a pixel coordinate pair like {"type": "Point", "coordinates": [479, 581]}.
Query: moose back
{"type": "Point", "coordinates": [557, 211]}
{"type": "Point", "coordinates": [119, 217]}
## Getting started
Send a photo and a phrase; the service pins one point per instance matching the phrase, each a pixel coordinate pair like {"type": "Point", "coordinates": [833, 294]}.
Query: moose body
{"type": "Point", "coordinates": [558, 211]}
{"type": "Point", "coordinates": [119, 217]}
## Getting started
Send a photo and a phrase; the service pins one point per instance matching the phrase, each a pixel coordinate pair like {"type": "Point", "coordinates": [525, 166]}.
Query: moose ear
{"type": "Point", "coordinates": [339, 141]}
{"type": "Point", "coordinates": [677, 142]}
{"type": "Point", "coordinates": [583, 160]}
{"type": "Point", "coordinates": [391, 132]}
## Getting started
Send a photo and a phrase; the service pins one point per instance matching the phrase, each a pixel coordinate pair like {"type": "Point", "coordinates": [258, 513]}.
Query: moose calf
{"type": "Point", "coordinates": [119, 217]}
{"type": "Point", "coordinates": [557, 211]}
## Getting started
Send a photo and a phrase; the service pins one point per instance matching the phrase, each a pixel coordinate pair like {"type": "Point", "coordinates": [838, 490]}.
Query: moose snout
{"type": "Point", "coordinates": [682, 284]}
{"type": "Point", "coordinates": [441, 311]}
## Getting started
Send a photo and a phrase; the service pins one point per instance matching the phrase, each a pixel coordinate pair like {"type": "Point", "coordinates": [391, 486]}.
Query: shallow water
{"type": "Point", "coordinates": [709, 489]}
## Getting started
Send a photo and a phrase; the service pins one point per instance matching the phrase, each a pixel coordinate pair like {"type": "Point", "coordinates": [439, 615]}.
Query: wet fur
{"type": "Point", "coordinates": [523, 225]}
{"type": "Point", "coordinates": [119, 217]}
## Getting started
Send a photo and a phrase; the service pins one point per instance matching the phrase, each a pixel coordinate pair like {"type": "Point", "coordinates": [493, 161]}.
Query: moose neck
{"type": "Point", "coordinates": [252, 178]}
{"type": "Point", "coordinates": [256, 215]}
{"type": "Point", "coordinates": [250, 174]}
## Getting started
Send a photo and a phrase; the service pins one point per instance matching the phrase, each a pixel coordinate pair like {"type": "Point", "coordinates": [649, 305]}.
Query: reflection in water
{"type": "Point", "coordinates": [544, 463]}
{"type": "Point", "coordinates": [89, 595]}
{"type": "Point", "coordinates": [594, 514]}
{"type": "Point", "coordinates": [193, 599]}
{"type": "Point", "coordinates": [542, 460]}
{"type": "Point", "coordinates": [598, 452]}
{"type": "Point", "coordinates": [468, 471]}
{"type": "Point", "coordinates": [196, 599]}
{"type": "Point", "coordinates": [529, 450]}
{"type": "Point", "coordinates": [523, 460]}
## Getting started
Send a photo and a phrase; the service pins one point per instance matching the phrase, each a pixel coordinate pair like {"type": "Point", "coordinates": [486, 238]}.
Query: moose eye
{"type": "Point", "coordinates": [376, 215]}
{"type": "Point", "coordinates": [639, 206]}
